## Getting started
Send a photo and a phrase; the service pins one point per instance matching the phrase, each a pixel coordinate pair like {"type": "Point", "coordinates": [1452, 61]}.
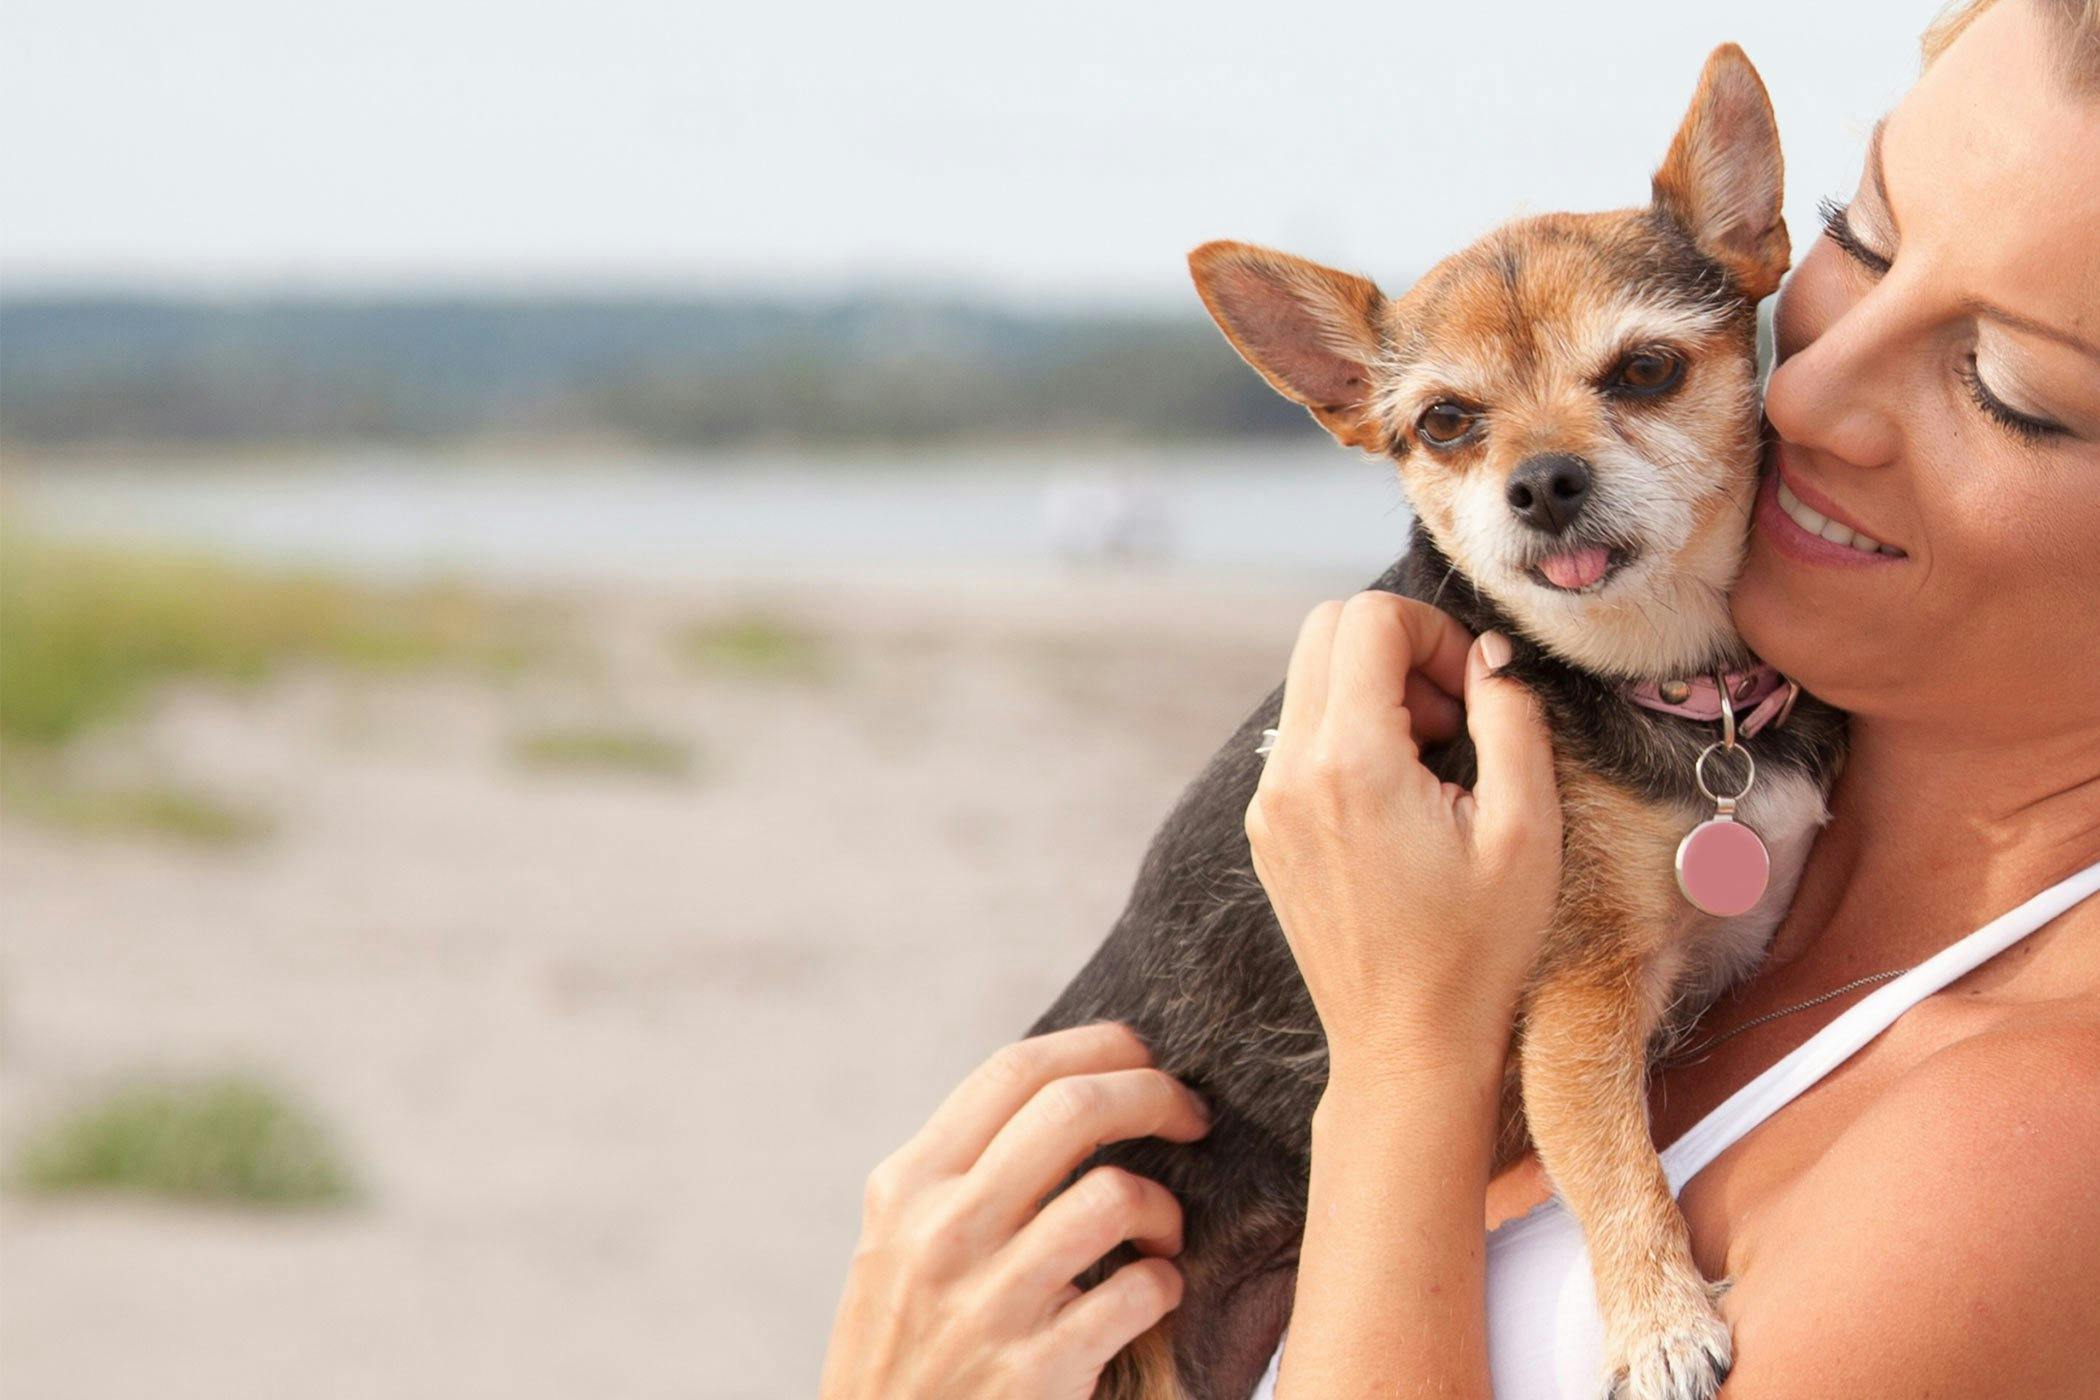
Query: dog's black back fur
{"type": "Point", "coordinates": [1198, 967]}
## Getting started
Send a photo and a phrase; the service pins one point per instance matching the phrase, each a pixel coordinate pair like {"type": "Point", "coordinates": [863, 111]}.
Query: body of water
{"type": "Point", "coordinates": [1300, 509]}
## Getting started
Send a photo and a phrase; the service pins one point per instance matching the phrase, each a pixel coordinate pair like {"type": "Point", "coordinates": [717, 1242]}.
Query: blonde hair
{"type": "Point", "coordinates": [2077, 24]}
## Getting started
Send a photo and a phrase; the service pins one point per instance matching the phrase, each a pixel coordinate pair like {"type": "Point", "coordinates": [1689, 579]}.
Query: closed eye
{"type": "Point", "coordinates": [2021, 425]}
{"type": "Point", "coordinates": [1838, 229]}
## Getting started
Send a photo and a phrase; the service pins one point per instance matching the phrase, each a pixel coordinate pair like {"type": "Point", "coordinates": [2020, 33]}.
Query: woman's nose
{"type": "Point", "coordinates": [1835, 394]}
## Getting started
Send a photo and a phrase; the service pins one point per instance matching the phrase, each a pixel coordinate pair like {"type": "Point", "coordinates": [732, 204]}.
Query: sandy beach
{"type": "Point", "coordinates": [609, 1052]}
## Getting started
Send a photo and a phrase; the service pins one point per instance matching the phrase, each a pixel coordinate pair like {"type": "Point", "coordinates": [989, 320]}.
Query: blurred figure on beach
{"type": "Point", "coordinates": [1107, 515]}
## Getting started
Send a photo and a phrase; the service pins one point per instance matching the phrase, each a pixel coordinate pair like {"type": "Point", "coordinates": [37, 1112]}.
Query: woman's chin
{"type": "Point", "coordinates": [1789, 622]}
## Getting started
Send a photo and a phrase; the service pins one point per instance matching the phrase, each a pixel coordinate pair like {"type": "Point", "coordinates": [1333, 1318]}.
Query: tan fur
{"type": "Point", "coordinates": [1738, 218]}
{"type": "Point", "coordinates": [1594, 1005]}
{"type": "Point", "coordinates": [1336, 312]}
{"type": "Point", "coordinates": [1144, 1370]}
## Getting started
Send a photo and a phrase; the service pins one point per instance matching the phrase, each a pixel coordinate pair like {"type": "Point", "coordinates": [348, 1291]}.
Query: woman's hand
{"type": "Point", "coordinates": [1415, 908]}
{"type": "Point", "coordinates": [962, 1282]}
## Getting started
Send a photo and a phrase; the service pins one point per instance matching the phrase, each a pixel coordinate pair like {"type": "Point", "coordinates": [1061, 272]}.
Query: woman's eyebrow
{"type": "Point", "coordinates": [2069, 339]}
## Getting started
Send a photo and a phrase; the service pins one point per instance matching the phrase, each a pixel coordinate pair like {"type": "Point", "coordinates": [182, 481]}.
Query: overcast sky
{"type": "Point", "coordinates": [1067, 152]}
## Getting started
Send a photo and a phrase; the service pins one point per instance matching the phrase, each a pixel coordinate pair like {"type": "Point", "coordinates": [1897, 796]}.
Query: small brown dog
{"type": "Point", "coordinates": [1572, 404]}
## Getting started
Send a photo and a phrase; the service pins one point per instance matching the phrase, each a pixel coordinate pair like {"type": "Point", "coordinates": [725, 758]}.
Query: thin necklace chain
{"type": "Point", "coordinates": [1705, 1048]}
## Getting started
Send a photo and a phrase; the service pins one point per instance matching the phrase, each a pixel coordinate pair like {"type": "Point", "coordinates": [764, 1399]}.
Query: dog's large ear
{"type": "Point", "coordinates": [1723, 179]}
{"type": "Point", "coordinates": [1312, 332]}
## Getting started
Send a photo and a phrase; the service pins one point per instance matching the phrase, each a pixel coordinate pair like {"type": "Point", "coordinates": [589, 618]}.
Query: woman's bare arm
{"type": "Point", "coordinates": [1390, 1283]}
{"type": "Point", "coordinates": [1415, 910]}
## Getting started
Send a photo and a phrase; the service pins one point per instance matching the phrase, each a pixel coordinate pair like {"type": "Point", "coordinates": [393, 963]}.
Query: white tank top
{"type": "Point", "coordinates": [1545, 1337]}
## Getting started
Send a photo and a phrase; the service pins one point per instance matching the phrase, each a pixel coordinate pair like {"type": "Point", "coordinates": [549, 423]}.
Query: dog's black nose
{"type": "Point", "coordinates": [1547, 491]}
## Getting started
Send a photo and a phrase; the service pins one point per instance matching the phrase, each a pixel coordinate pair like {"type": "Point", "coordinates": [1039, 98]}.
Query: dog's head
{"type": "Point", "coordinates": [1572, 400]}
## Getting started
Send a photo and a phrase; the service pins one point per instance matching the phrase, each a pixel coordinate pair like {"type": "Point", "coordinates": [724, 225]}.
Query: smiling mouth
{"type": "Point", "coordinates": [1823, 527]}
{"type": "Point", "coordinates": [1581, 570]}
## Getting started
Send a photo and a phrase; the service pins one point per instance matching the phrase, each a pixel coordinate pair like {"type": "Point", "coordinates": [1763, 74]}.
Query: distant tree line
{"type": "Point", "coordinates": [691, 373]}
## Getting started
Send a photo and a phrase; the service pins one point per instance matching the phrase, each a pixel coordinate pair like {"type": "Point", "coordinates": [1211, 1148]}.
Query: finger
{"type": "Point", "coordinates": [1515, 786]}
{"type": "Point", "coordinates": [1100, 1322]}
{"type": "Point", "coordinates": [1437, 717]}
{"type": "Point", "coordinates": [1101, 1210]}
{"type": "Point", "coordinates": [1442, 643]}
{"type": "Point", "coordinates": [957, 1134]}
{"type": "Point", "coordinates": [1305, 683]}
{"type": "Point", "coordinates": [1380, 641]}
{"type": "Point", "coordinates": [1067, 1120]}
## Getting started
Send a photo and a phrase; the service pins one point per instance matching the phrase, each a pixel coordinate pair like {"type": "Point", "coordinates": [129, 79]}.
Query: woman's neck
{"type": "Point", "coordinates": [1933, 834]}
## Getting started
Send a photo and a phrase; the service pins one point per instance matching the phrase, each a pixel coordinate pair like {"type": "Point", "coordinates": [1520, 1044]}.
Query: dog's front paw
{"type": "Point", "coordinates": [1685, 1361]}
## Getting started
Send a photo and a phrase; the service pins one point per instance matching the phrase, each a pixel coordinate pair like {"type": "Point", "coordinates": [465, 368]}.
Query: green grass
{"type": "Point", "coordinates": [754, 645]}
{"type": "Point", "coordinates": [85, 632]}
{"type": "Point", "coordinates": [637, 751]}
{"type": "Point", "coordinates": [163, 810]}
{"type": "Point", "coordinates": [227, 1139]}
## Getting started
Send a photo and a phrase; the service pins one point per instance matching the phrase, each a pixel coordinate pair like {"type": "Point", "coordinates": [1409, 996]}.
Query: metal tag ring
{"type": "Point", "coordinates": [1727, 715]}
{"type": "Point", "coordinates": [1699, 773]}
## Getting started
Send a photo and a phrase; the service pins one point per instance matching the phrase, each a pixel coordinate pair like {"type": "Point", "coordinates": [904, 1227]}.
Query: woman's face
{"type": "Point", "coordinates": [1938, 392]}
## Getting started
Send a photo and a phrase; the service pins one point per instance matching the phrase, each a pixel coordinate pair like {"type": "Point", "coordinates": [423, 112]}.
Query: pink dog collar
{"type": "Point", "coordinates": [1723, 867]}
{"type": "Point", "coordinates": [1760, 694]}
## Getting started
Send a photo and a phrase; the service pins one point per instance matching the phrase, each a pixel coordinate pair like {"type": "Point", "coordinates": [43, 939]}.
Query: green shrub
{"type": "Point", "coordinates": [84, 631]}
{"type": "Point", "coordinates": [228, 1139]}
{"type": "Point", "coordinates": [132, 809]}
{"type": "Point", "coordinates": [754, 645]}
{"type": "Point", "coordinates": [638, 751]}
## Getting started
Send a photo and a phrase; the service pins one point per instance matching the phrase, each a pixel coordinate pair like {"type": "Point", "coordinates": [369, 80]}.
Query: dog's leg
{"type": "Point", "coordinates": [1605, 979]}
{"type": "Point", "coordinates": [1585, 1093]}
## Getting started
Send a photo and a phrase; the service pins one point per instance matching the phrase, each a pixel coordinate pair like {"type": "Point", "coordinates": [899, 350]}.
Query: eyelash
{"type": "Point", "coordinates": [2020, 424]}
{"type": "Point", "coordinates": [1838, 229]}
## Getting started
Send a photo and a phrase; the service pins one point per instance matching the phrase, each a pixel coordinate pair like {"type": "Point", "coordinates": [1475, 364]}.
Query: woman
{"type": "Point", "coordinates": [1900, 1211]}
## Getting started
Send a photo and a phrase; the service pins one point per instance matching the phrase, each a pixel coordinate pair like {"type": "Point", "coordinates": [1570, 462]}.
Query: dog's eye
{"type": "Point", "coordinates": [1648, 372]}
{"type": "Point", "coordinates": [1444, 423]}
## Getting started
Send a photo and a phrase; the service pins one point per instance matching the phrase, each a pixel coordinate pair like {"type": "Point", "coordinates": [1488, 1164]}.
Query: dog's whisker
{"type": "Point", "coordinates": [1438, 596]}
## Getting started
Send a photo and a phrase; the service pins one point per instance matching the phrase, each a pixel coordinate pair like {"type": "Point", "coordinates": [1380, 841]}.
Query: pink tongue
{"type": "Point", "coordinates": [1577, 570]}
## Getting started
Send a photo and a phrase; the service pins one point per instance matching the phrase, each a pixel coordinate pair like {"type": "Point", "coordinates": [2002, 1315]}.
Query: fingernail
{"type": "Point", "coordinates": [1203, 1107]}
{"type": "Point", "coordinates": [1495, 650]}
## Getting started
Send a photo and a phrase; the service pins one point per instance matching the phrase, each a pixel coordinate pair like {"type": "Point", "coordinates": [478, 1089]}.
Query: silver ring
{"type": "Point", "coordinates": [1267, 745]}
{"type": "Point", "coordinates": [1727, 714]}
{"type": "Point", "coordinates": [1699, 774]}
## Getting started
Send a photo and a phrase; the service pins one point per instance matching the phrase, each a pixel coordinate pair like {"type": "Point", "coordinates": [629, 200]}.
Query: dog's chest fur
{"type": "Point", "coordinates": [1629, 794]}
{"type": "Point", "coordinates": [1695, 956]}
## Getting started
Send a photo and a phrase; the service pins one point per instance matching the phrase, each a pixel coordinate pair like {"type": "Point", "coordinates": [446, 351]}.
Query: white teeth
{"type": "Point", "coordinates": [1819, 524]}
{"type": "Point", "coordinates": [1809, 520]}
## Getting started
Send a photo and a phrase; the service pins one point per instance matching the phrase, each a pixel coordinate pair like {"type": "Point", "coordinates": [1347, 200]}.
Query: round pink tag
{"type": "Point", "coordinates": [1723, 867]}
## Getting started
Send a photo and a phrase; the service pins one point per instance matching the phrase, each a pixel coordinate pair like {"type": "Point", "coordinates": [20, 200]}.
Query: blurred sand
{"type": "Point", "coordinates": [612, 1054]}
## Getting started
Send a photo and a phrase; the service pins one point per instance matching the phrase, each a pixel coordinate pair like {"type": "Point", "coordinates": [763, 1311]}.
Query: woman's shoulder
{"type": "Point", "coordinates": [2002, 1080]}
{"type": "Point", "coordinates": [2024, 1094]}
{"type": "Point", "coordinates": [1953, 1222]}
